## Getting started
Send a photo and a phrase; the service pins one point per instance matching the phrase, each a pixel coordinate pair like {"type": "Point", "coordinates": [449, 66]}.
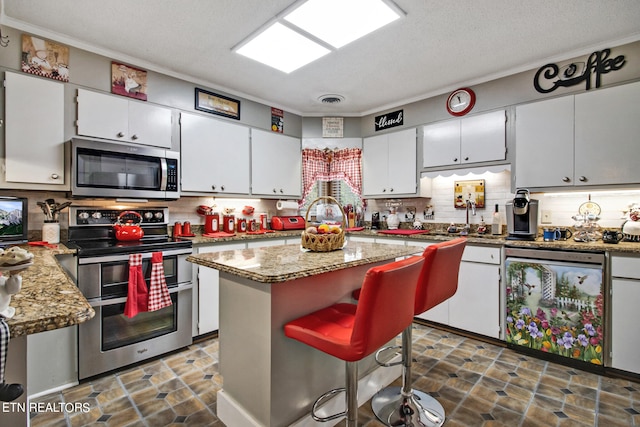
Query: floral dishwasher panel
{"type": "Point", "coordinates": [556, 308]}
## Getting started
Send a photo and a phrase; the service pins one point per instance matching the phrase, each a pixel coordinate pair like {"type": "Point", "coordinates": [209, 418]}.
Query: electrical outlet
{"type": "Point", "coordinates": [546, 217]}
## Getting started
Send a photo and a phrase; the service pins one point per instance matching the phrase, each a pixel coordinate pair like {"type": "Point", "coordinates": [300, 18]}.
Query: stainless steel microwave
{"type": "Point", "coordinates": [107, 169]}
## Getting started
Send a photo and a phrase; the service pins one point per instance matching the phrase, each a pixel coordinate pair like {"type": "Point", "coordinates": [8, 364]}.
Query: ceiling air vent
{"type": "Point", "coordinates": [331, 99]}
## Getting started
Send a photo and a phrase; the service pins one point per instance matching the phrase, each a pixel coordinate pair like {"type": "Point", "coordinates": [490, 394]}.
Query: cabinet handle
{"type": "Point", "coordinates": [134, 137]}
{"type": "Point", "coordinates": [566, 179]}
{"type": "Point", "coordinates": [120, 135]}
{"type": "Point", "coordinates": [391, 190]}
{"type": "Point", "coordinates": [55, 176]}
{"type": "Point", "coordinates": [582, 179]}
{"type": "Point", "coordinates": [455, 159]}
{"type": "Point", "coordinates": [281, 191]}
{"type": "Point", "coordinates": [384, 190]}
{"type": "Point", "coordinates": [466, 158]}
{"type": "Point", "coordinates": [275, 191]}
{"type": "Point", "coordinates": [222, 188]}
{"type": "Point", "coordinates": [213, 187]}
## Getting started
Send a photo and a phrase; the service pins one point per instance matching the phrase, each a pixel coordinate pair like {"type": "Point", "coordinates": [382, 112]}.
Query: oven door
{"type": "Point", "coordinates": [111, 340]}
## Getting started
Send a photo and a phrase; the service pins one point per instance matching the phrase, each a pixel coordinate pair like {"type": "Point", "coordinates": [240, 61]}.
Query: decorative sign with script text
{"type": "Point", "coordinates": [389, 120]}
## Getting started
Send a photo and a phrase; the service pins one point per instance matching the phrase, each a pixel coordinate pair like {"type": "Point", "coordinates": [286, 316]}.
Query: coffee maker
{"type": "Point", "coordinates": [375, 220]}
{"type": "Point", "coordinates": [522, 217]}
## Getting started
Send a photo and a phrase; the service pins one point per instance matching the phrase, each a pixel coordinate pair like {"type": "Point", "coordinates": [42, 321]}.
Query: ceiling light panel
{"type": "Point", "coordinates": [282, 48]}
{"type": "Point", "coordinates": [339, 22]}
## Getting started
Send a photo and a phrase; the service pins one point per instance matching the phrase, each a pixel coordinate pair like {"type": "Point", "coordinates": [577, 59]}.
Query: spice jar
{"type": "Point", "coordinates": [242, 225]}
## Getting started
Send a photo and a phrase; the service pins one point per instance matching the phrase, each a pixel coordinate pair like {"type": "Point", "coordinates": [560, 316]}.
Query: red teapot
{"type": "Point", "coordinates": [128, 231]}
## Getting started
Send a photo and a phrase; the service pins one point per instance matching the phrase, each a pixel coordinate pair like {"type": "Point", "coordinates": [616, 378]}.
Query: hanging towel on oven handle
{"type": "Point", "coordinates": [137, 294]}
{"type": "Point", "coordinates": [158, 294]}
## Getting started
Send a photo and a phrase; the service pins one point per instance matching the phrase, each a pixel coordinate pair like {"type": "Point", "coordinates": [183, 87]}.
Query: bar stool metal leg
{"type": "Point", "coordinates": [403, 406]}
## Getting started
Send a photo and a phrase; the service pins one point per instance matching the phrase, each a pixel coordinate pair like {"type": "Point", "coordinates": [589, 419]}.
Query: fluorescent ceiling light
{"type": "Point", "coordinates": [282, 48]}
{"type": "Point", "coordinates": [339, 22]}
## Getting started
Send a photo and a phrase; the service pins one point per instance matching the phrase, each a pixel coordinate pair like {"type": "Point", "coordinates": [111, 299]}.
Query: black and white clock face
{"type": "Point", "coordinates": [461, 101]}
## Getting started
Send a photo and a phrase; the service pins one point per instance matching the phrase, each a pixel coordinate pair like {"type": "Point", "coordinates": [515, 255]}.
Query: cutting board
{"type": "Point", "coordinates": [403, 232]}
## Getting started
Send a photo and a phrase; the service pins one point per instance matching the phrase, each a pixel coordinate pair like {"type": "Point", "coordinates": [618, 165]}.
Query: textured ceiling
{"type": "Point", "coordinates": [438, 46]}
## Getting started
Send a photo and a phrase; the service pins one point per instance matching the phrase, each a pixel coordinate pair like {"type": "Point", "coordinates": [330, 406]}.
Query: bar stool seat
{"type": "Point", "coordinates": [404, 406]}
{"type": "Point", "coordinates": [352, 332]}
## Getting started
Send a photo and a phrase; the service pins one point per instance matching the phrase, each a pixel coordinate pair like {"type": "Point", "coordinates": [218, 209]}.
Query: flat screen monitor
{"type": "Point", "coordinates": [13, 220]}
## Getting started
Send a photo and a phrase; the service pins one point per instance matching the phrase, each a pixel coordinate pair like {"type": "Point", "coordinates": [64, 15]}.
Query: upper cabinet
{"type": "Point", "coordinates": [118, 118]}
{"type": "Point", "coordinates": [586, 139]}
{"type": "Point", "coordinates": [389, 164]}
{"type": "Point", "coordinates": [214, 155]}
{"type": "Point", "coordinates": [34, 133]}
{"type": "Point", "coordinates": [276, 165]}
{"type": "Point", "coordinates": [475, 139]}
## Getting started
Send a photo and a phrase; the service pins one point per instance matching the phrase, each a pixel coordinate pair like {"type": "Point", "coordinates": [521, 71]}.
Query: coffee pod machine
{"type": "Point", "coordinates": [375, 220]}
{"type": "Point", "coordinates": [522, 217]}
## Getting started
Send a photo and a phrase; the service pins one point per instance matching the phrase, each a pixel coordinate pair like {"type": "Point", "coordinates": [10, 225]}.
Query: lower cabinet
{"type": "Point", "coordinates": [625, 294]}
{"type": "Point", "coordinates": [475, 307]}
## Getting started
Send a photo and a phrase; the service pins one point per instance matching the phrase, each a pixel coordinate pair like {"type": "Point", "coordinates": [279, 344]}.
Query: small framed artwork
{"type": "Point", "coordinates": [213, 103]}
{"type": "Point", "coordinates": [45, 58]}
{"type": "Point", "coordinates": [128, 81]}
{"type": "Point", "coordinates": [472, 190]}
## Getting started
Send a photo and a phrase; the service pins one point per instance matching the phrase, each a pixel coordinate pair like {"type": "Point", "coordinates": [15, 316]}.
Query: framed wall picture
{"type": "Point", "coordinates": [45, 58]}
{"type": "Point", "coordinates": [472, 190]}
{"type": "Point", "coordinates": [213, 103]}
{"type": "Point", "coordinates": [128, 81]}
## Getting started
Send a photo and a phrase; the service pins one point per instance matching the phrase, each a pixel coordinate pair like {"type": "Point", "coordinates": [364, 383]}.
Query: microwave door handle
{"type": "Point", "coordinates": [163, 174]}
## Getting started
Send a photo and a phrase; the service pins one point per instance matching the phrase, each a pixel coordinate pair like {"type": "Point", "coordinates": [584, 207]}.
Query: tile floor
{"type": "Point", "coordinates": [479, 384]}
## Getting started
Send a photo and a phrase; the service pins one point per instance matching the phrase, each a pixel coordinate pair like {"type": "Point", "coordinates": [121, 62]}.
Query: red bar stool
{"type": "Point", "coordinates": [351, 332]}
{"type": "Point", "coordinates": [403, 406]}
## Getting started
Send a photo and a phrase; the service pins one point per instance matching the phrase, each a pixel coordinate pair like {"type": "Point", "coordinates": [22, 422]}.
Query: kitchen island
{"type": "Point", "coordinates": [268, 379]}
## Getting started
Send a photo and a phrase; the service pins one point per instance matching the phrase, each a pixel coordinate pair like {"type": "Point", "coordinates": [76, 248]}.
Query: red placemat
{"type": "Point", "coordinates": [260, 232]}
{"type": "Point", "coordinates": [354, 229]}
{"type": "Point", "coordinates": [218, 234]}
{"type": "Point", "coordinates": [405, 232]}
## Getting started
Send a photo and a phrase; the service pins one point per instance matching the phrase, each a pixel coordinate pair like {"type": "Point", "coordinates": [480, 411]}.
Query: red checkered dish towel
{"type": "Point", "coordinates": [158, 293]}
{"type": "Point", "coordinates": [137, 294]}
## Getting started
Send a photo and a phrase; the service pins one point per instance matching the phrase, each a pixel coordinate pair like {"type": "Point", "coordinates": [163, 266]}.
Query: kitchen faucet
{"type": "Point", "coordinates": [469, 204]}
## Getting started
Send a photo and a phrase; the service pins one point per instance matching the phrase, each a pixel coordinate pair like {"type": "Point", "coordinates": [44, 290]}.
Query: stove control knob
{"type": "Point", "coordinates": [148, 215]}
{"type": "Point", "coordinates": [83, 215]}
{"type": "Point", "coordinates": [96, 215]}
{"type": "Point", "coordinates": [159, 215]}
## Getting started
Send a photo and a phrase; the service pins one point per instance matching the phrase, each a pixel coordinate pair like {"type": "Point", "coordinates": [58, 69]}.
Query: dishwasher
{"type": "Point", "coordinates": [555, 304]}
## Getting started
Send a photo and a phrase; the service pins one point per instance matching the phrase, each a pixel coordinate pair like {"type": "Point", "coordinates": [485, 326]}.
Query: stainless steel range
{"type": "Point", "coordinates": [111, 340]}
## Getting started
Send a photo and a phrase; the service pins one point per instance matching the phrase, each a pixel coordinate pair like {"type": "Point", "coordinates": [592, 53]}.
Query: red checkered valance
{"type": "Point", "coordinates": [331, 165]}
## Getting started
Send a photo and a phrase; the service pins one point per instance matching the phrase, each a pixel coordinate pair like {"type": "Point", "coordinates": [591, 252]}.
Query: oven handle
{"type": "Point", "coordinates": [100, 303]}
{"type": "Point", "coordinates": [125, 257]}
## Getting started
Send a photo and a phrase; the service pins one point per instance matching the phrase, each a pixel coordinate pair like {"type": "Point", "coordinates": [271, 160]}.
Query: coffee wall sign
{"type": "Point", "coordinates": [389, 120]}
{"type": "Point", "coordinates": [550, 77]}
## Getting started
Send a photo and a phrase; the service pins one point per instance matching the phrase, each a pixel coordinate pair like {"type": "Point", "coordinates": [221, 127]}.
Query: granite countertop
{"type": "Point", "coordinates": [274, 264]}
{"type": "Point", "coordinates": [48, 298]}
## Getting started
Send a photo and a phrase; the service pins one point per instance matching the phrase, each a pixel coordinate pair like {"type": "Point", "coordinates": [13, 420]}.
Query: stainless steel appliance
{"type": "Point", "coordinates": [107, 169]}
{"type": "Point", "coordinates": [522, 217]}
{"type": "Point", "coordinates": [111, 340]}
{"type": "Point", "coordinates": [555, 305]}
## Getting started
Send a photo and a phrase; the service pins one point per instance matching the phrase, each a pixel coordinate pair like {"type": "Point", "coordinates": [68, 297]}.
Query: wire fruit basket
{"type": "Point", "coordinates": [331, 241]}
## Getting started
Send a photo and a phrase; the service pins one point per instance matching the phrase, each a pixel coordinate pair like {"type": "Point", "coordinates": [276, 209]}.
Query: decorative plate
{"type": "Point", "coordinates": [589, 208]}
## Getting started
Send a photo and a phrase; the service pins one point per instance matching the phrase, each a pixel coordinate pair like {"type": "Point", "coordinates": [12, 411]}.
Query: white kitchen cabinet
{"type": "Point", "coordinates": [214, 156]}
{"type": "Point", "coordinates": [389, 164]}
{"type": "Point", "coordinates": [563, 142]}
{"type": "Point", "coordinates": [544, 143]}
{"type": "Point", "coordinates": [118, 118]}
{"type": "Point", "coordinates": [474, 139]}
{"type": "Point", "coordinates": [34, 134]}
{"type": "Point", "coordinates": [208, 285]}
{"type": "Point", "coordinates": [276, 165]}
{"type": "Point", "coordinates": [625, 293]}
{"type": "Point", "coordinates": [475, 307]}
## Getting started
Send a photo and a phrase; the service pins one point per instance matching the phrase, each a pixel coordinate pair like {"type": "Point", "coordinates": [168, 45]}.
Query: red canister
{"type": "Point", "coordinates": [263, 221]}
{"type": "Point", "coordinates": [228, 223]}
{"type": "Point", "coordinates": [242, 225]}
{"type": "Point", "coordinates": [212, 223]}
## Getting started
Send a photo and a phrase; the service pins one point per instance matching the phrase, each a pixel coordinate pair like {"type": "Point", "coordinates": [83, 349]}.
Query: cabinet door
{"type": "Point", "coordinates": [102, 116]}
{"type": "Point", "coordinates": [482, 138]}
{"type": "Point", "coordinates": [149, 124]}
{"type": "Point", "coordinates": [607, 125]}
{"type": "Point", "coordinates": [402, 167]}
{"type": "Point", "coordinates": [625, 340]}
{"type": "Point", "coordinates": [441, 144]}
{"type": "Point", "coordinates": [276, 164]}
{"type": "Point", "coordinates": [544, 143]}
{"type": "Point", "coordinates": [375, 165]}
{"type": "Point", "coordinates": [214, 155]}
{"type": "Point", "coordinates": [34, 138]}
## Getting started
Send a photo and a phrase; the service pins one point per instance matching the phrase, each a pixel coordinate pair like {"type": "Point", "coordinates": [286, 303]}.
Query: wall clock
{"type": "Point", "coordinates": [461, 101]}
